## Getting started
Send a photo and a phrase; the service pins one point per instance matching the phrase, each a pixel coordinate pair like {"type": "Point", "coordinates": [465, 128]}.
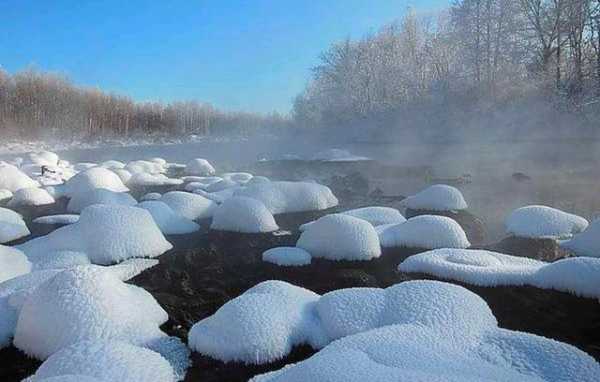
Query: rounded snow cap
{"type": "Point", "coordinates": [189, 205]}
{"type": "Point", "coordinates": [12, 226]}
{"type": "Point", "coordinates": [199, 167]}
{"type": "Point", "coordinates": [287, 256]}
{"type": "Point", "coordinates": [84, 303]}
{"type": "Point", "coordinates": [95, 177]}
{"type": "Point", "coordinates": [13, 263]}
{"type": "Point", "coordinates": [13, 179]}
{"type": "Point", "coordinates": [439, 197]}
{"type": "Point", "coordinates": [240, 214]}
{"type": "Point", "coordinates": [167, 220]}
{"type": "Point", "coordinates": [543, 222]}
{"type": "Point", "coordinates": [340, 237]}
{"type": "Point", "coordinates": [31, 197]}
{"type": "Point", "coordinates": [586, 243]}
{"type": "Point", "coordinates": [80, 201]}
{"type": "Point", "coordinates": [425, 231]}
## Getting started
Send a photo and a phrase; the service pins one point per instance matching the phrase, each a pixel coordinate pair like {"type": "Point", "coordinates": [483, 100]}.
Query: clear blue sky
{"type": "Point", "coordinates": [238, 55]}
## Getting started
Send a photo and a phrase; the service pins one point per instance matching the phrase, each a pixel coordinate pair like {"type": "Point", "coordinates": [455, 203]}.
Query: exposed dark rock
{"type": "Point", "coordinates": [473, 226]}
{"type": "Point", "coordinates": [540, 249]}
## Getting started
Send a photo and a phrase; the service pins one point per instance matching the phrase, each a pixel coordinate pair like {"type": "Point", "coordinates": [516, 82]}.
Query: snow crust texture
{"type": "Point", "coordinates": [287, 256]}
{"type": "Point", "coordinates": [439, 197]}
{"type": "Point", "coordinates": [167, 220]}
{"type": "Point", "coordinates": [587, 243]}
{"type": "Point", "coordinates": [190, 206]}
{"type": "Point", "coordinates": [31, 196]}
{"type": "Point", "coordinates": [241, 214]}
{"type": "Point", "coordinates": [543, 222]}
{"type": "Point", "coordinates": [12, 226]}
{"type": "Point", "coordinates": [425, 231]}
{"type": "Point", "coordinates": [80, 201]}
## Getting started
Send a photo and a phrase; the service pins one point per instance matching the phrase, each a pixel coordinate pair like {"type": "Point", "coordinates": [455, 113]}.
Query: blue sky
{"type": "Point", "coordinates": [238, 55]}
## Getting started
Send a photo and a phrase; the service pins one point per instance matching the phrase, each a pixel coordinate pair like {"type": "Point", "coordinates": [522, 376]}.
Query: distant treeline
{"type": "Point", "coordinates": [496, 67]}
{"type": "Point", "coordinates": [35, 104]}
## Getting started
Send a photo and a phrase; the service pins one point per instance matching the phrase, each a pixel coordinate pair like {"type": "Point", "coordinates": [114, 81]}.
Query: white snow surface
{"type": "Point", "coordinates": [587, 243]}
{"type": "Point", "coordinates": [218, 196]}
{"type": "Point", "coordinates": [146, 179]}
{"type": "Point", "coordinates": [425, 231]}
{"type": "Point", "coordinates": [238, 177]}
{"type": "Point", "coordinates": [112, 164]}
{"type": "Point", "coordinates": [63, 219]}
{"type": "Point", "coordinates": [188, 205]}
{"type": "Point", "coordinates": [12, 226]}
{"type": "Point", "coordinates": [439, 197]}
{"type": "Point", "coordinates": [169, 222]}
{"type": "Point", "coordinates": [5, 195]}
{"type": "Point", "coordinates": [577, 275]}
{"type": "Point", "coordinates": [106, 361]}
{"type": "Point", "coordinates": [30, 197]}
{"type": "Point", "coordinates": [287, 256]}
{"type": "Point", "coordinates": [13, 263]}
{"type": "Point", "coordinates": [221, 185]}
{"type": "Point", "coordinates": [340, 237]}
{"type": "Point", "coordinates": [62, 260]}
{"type": "Point", "coordinates": [199, 167]}
{"type": "Point", "coordinates": [377, 216]}
{"type": "Point", "coordinates": [428, 331]}
{"type": "Point", "coordinates": [241, 214]}
{"type": "Point", "coordinates": [543, 222]}
{"type": "Point", "coordinates": [44, 158]}
{"type": "Point", "coordinates": [144, 166]}
{"type": "Point", "coordinates": [284, 197]}
{"type": "Point", "coordinates": [79, 201]}
{"type": "Point", "coordinates": [106, 233]}
{"type": "Point", "coordinates": [95, 177]}
{"type": "Point", "coordinates": [86, 303]}
{"type": "Point", "coordinates": [262, 325]}
{"type": "Point", "coordinates": [13, 179]}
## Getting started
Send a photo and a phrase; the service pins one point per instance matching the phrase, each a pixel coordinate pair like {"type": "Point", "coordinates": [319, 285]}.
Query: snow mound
{"type": "Point", "coordinates": [202, 181]}
{"type": "Point", "coordinates": [284, 197]}
{"type": "Point", "coordinates": [377, 216]}
{"type": "Point", "coordinates": [5, 195]}
{"type": "Point", "coordinates": [478, 267]}
{"type": "Point", "coordinates": [255, 180]}
{"type": "Point", "coordinates": [79, 201]}
{"type": "Point", "coordinates": [586, 243]}
{"type": "Point", "coordinates": [86, 303]}
{"type": "Point", "coordinates": [287, 256]}
{"type": "Point", "coordinates": [241, 214]}
{"type": "Point", "coordinates": [543, 222]}
{"type": "Point", "coordinates": [112, 164]}
{"type": "Point", "coordinates": [167, 220]}
{"type": "Point", "coordinates": [84, 166]}
{"type": "Point", "coordinates": [13, 179]}
{"type": "Point", "coordinates": [12, 226]}
{"type": "Point", "coordinates": [44, 158]}
{"type": "Point", "coordinates": [262, 325]}
{"type": "Point", "coordinates": [107, 361]}
{"type": "Point", "coordinates": [337, 155]}
{"type": "Point", "coordinates": [340, 237]}
{"type": "Point", "coordinates": [577, 276]}
{"type": "Point", "coordinates": [238, 177]}
{"type": "Point", "coordinates": [62, 260]}
{"type": "Point", "coordinates": [221, 185]}
{"type": "Point", "coordinates": [13, 263]}
{"type": "Point", "coordinates": [425, 231]}
{"type": "Point", "coordinates": [31, 197]}
{"type": "Point", "coordinates": [151, 196]}
{"type": "Point", "coordinates": [106, 233]}
{"type": "Point", "coordinates": [123, 174]}
{"type": "Point", "coordinates": [143, 166]}
{"type": "Point", "coordinates": [96, 177]}
{"type": "Point", "coordinates": [218, 196]}
{"type": "Point", "coordinates": [190, 206]}
{"type": "Point", "coordinates": [438, 197]}
{"type": "Point", "coordinates": [146, 179]}
{"type": "Point", "coordinates": [62, 219]}
{"type": "Point", "coordinates": [199, 167]}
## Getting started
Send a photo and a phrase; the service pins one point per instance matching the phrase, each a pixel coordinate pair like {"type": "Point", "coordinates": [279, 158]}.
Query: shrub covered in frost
{"type": "Point", "coordinates": [340, 237]}
{"type": "Point", "coordinates": [241, 214]}
{"type": "Point", "coordinates": [283, 197]}
{"type": "Point", "coordinates": [543, 222]}
{"type": "Point", "coordinates": [438, 197]}
{"type": "Point", "coordinates": [199, 167]}
{"type": "Point", "coordinates": [586, 243]}
{"type": "Point", "coordinates": [12, 226]}
{"type": "Point", "coordinates": [13, 263]}
{"type": "Point", "coordinates": [190, 206]}
{"type": "Point", "coordinates": [287, 256]}
{"type": "Point", "coordinates": [95, 177]}
{"type": "Point", "coordinates": [262, 325]}
{"type": "Point", "coordinates": [105, 361]}
{"type": "Point", "coordinates": [13, 179]}
{"type": "Point", "coordinates": [425, 231]}
{"type": "Point", "coordinates": [86, 303]}
{"type": "Point", "coordinates": [80, 201]}
{"type": "Point", "coordinates": [167, 220]}
{"type": "Point", "coordinates": [106, 233]}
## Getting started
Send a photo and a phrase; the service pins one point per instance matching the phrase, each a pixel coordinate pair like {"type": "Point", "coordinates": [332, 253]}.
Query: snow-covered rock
{"type": "Point", "coordinates": [340, 237]}
{"type": "Point", "coordinates": [377, 216]}
{"type": "Point", "coordinates": [284, 197]}
{"type": "Point", "coordinates": [105, 361]}
{"type": "Point", "coordinates": [202, 181]}
{"type": "Point", "coordinates": [13, 263]}
{"type": "Point", "coordinates": [586, 243]}
{"type": "Point", "coordinates": [151, 196]}
{"type": "Point", "coordinates": [218, 196]}
{"type": "Point", "coordinates": [30, 197]}
{"type": "Point", "coordinates": [146, 179]}
{"type": "Point", "coordinates": [438, 197]}
{"type": "Point", "coordinates": [578, 275]}
{"type": "Point", "coordinates": [96, 177]}
{"type": "Point", "coordinates": [62, 260]}
{"type": "Point", "coordinates": [167, 220]}
{"type": "Point", "coordinates": [543, 222]}
{"type": "Point", "coordinates": [5, 195]}
{"type": "Point", "coordinates": [262, 325]}
{"type": "Point", "coordinates": [62, 219]}
{"type": "Point", "coordinates": [106, 233]}
{"type": "Point", "coordinates": [13, 179]}
{"type": "Point", "coordinates": [241, 214]}
{"type": "Point", "coordinates": [86, 303]}
{"type": "Point", "coordinates": [221, 185]}
{"type": "Point", "coordinates": [84, 166]}
{"type": "Point", "coordinates": [238, 177]}
{"type": "Point", "coordinates": [12, 226]}
{"type": "Point", "coordinates": [255, 180]}
{"type": "Point", "coordinates": [143, 166]}
{"type": "Point", "coordinates": [44, 158]}
{"type": "Point", "coordinates": [79, 201]}
{"type": "Point", "coordinates": [199, 167]}
{"type": "Point", "coordinates": [123, 174]}
{"type": "Point", "coordinates": [112, 164]}
{"type": "Point", "coordinates": [425, 231]}
{"type": "Point", "coordinates": [287, 256]}
{"type": "Point", "coordinates": [190, 206]}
